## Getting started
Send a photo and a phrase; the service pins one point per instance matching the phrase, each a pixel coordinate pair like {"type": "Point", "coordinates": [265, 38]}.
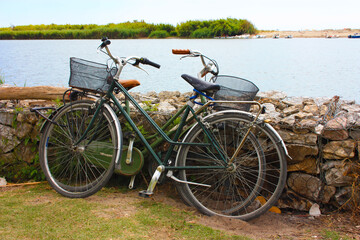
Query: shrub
{"type": "Point", "coordinates": [158, 34]}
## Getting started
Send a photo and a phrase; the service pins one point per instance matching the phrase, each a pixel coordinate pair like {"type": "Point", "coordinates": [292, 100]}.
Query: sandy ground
{"type": "Point", "coordinates": [341, 33]}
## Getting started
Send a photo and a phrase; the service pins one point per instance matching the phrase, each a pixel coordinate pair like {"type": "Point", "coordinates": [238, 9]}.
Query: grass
{"type": "Point", "coordinates": [333, 235]}
{"type": "Point", "coordinates": [2, 79]}
{"type": "Point", "coordinates": [37, 212]}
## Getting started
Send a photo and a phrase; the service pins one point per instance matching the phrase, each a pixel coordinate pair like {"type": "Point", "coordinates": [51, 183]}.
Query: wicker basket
{"type": "Point", "coordinates": [90, 76]}
{"type": "Point", "coordinates": [235, 89]}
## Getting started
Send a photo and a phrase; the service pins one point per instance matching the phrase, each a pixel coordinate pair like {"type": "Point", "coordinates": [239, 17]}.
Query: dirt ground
{"type": "Point", "coordinates": [275, 226]}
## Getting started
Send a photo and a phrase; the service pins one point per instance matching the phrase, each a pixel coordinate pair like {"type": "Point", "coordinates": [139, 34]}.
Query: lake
{"type": "Point", "coordinates": [300, 67]}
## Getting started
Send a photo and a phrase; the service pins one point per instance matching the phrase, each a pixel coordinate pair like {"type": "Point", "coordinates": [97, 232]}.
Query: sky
{"type": "Point", "coordinates": [264, 14]}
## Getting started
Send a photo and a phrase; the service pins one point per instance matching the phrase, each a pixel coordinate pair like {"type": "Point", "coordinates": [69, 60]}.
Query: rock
{"type": "Point", "coordinates": [323, 110]}
{"type": "Point", "coordinates": [32, 118]}
{"type": "Point", "coordinates": [25, 153]}
{"type": "Point", "coordinates": [338, 173]}
{"type": "Point", "coordinates": [315, 210]}
{"type": "Point", "coordinates": [308, 165]}
{"type": "Point", "coordinates": [291, 110]}
{"type": "Point", "coordinates": [308, 101]}
{"type": "Point", "coordinates": [339, 149]}
{"type": "Point", "coordinates": [271, 113]}
{"type": "Point", "coordinates": [166, 107]}
{"type": "Point", "coordinates": [353, 120]}
{"type": "Point", "coordinates": [3, 181]}
{"type": "Point", "coordinates": [351, 108]}
{"type": "Point", "coordinates": [291, 137]}
{"type": "Point", "coordinates": [292, 101]}
{"type": "Point", "coordinates": [21, 117]}
{"type": "Point", "coordinates": [335, 129]}
{"type": "Point", "coordinates": [7, 118]}
{"type": "Point", "coordinates": [294, 201]}
{"type": "Point", "coordinates": [302, 115]}
{"type": "Point", "coordinates": [288, 121]}
{"type": "Point", "coordinates": [347, 198]}
{"type": "Point", "coordinates": [8, 140]}
{"type": "Point", "coordinates": [274, 95]}
{"type": "Point", "coordinates": [298, 152]}
{"type": "Point", "coordinates": [313, 109]}
{"type": "Point", "coordinates": [23, 129]}
{"type": "Point", "coordinates": [305, 185]}
{"type": "Point", "coordinates": [308, 124]}
{"type": "Point", "coordinates": [168, 94]}
{"type": "Point", "coordinates": [8, 158]}
{"type": "Point", "coordinates": [318, 129]}
{"type": "Point", "coordinates": [328, 193]}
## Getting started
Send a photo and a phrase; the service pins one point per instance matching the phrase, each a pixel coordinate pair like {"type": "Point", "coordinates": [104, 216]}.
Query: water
{"type": "Point", "coordinates": [299, 67]}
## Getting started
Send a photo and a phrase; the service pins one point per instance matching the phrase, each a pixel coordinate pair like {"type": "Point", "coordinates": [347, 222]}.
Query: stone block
{"type": "Point", "coordinates": [308, 165]}
{"type": "Point", "coordinates": [339, 173]}
{"type": "Point", "coordinates": [305, 185]}
{"type": "Point", "coordinates": [335, 129]}
{"type": "Point", "coordinates": [298, 152]}
{"type": "Point", "coordinates": [6, 118]}
{"type": "Point", "coordinates": [8, 139]}
{"type": "Point", "coordinates": [339, 149]}
{"type": "Point", "coordinates": [305, 139]}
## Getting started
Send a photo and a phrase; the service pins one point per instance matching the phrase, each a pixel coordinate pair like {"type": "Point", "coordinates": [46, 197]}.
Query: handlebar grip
{"type": "Point", "coordinates": [181, 51]}
{"type": "Point", "coordinates": [105, 42]}
{"type": "Point", "coordinates": [148, 62]}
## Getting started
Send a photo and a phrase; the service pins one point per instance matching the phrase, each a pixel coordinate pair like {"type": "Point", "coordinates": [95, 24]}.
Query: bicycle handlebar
{"type": "Point", "coordinates": [117, 60]}
{"type": "Point", "coordinates": [148, 62]}
{"type": "Point", "coordinates": [210, 67]}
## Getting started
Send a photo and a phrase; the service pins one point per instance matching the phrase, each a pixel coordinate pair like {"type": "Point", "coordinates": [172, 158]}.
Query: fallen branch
{"type": "Point", "coordinates": [39, 93]}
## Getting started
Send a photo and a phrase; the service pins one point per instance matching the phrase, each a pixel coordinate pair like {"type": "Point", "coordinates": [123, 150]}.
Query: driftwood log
{"type": "Point", "coordinates": [38, 93]}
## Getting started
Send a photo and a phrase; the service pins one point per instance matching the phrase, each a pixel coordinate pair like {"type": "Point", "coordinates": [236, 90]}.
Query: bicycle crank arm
{"type": "Point", "coordinates": [170, 175]}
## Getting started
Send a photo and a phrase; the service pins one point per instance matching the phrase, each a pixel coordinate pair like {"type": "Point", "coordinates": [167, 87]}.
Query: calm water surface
{"type": "Point", "coordinates": [299, 67]}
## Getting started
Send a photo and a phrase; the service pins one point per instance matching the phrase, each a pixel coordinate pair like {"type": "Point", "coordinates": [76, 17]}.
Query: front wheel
{"type": "Point", "coordinates": [244, 189]}
{"type": "Point", "coordinates": [78, 170]}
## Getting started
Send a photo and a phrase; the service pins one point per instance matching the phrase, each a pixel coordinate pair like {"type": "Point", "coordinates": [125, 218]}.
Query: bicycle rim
{"type": "Point", "coordinates": [245, 189]}
{"type": "Point", "coordinates": [83, 169]}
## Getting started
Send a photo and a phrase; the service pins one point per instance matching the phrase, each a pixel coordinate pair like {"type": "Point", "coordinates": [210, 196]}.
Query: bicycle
{"type": "Point", "coordinates": [228, 163]}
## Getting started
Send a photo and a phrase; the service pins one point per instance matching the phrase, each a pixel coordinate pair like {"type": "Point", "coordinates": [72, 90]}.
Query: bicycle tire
{"type": "Point", "coordinates": [244, 190]}
{"type": "Point", "coordinates": [82, 170]}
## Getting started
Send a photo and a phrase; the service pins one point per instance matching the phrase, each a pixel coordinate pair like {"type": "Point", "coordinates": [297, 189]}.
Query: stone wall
{"type": "Point", "coordinates": [322, 136]}
{"type": "Point", "coordinates": [19, 138]}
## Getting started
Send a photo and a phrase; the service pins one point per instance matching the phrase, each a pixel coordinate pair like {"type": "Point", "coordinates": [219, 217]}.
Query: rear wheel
{"type": "Point", "coordinates": [79, 170]}
{"type": "Point", "coordinates": [244, 189]}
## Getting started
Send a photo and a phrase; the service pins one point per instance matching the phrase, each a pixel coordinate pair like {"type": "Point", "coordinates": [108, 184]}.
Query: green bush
{"type": "Point", "coordinates": [135, 29]}
{"type": "Point", "coordinates": [159, 34]}
{"type": "Point", "coordinates": [201, 33]}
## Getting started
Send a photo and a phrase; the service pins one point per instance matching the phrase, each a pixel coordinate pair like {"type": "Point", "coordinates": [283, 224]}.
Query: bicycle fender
{"type": "Point", "coordinates": [118, 129]}
{"type": "Point", "coordinates": [281, 143]}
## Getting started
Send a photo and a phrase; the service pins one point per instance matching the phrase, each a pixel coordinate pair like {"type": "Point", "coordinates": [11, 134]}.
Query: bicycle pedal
{"type": "Point", "coordinates": [145, 194]}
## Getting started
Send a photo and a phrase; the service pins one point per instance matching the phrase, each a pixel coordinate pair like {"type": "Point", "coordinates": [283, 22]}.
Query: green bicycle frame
{"type": "Point", "coordinates": [186, 109]}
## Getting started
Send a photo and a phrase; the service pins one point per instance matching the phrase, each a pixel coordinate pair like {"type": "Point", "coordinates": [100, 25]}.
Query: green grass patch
{"type": "Point", "coordinates": [333, 235]}
{"type": "Point", "coordinates": [38, 212]}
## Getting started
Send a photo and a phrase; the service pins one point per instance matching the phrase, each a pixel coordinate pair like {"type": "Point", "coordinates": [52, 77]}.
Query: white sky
{"type": "Point", "coordinates": [264, 14]}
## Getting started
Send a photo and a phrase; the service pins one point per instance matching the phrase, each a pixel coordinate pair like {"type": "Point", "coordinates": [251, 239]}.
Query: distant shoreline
{"type": "Point", "coordinates": [340, 33]}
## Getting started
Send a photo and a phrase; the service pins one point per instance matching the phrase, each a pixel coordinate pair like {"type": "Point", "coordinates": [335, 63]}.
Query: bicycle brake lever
{"type": "Point", "coordinates": [137, 65]}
